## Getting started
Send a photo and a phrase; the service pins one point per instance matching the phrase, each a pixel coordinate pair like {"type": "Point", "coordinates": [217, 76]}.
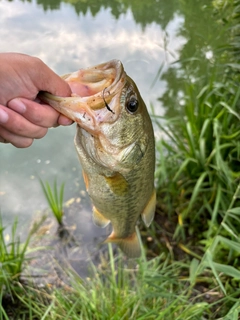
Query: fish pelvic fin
{"type": "Point", "coordinates": [130, 246]}
{"type": "Point", "coordinates": [99, 219]}
{"type": "Point", "coordinates": [149, 210]}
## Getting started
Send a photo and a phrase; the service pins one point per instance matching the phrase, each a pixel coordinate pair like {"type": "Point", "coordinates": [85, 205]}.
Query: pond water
{"type": "Point", "coordinates": [147, 36]}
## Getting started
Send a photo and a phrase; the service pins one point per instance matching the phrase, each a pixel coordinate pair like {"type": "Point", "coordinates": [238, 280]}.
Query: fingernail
{"type": "Point", "coordinates": [17, 105]}
{"type": "Point", "coordinates": [3, 116]}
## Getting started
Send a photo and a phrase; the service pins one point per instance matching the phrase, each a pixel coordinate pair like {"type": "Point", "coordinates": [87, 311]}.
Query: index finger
{"type": "Point", "coordinates": [39, 114]}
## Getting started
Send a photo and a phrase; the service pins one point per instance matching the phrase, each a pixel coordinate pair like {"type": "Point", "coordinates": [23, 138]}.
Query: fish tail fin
{"type": "Point", "coordinates": [130, 245]}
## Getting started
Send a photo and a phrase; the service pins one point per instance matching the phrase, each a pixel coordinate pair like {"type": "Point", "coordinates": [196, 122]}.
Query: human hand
{"type": "Point", "coordinates": [22, 117]}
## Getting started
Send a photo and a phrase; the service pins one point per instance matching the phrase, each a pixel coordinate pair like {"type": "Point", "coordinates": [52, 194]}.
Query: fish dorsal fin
{"type": "Point", "coordinates": [99, 219]}
{"type": "Point", "coordinates": [129, 245]}
{"type": "Point", "coordinates": [118, 184]}
{"type": "Point", "coordinates": [149, 210]}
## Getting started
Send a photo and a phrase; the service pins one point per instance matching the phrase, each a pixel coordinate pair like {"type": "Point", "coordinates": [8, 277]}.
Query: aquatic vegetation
{"type": "Point", "coordinates": [54, 198]}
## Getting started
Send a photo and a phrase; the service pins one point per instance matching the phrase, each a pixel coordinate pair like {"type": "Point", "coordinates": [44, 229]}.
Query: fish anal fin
{"type": "Point", "coordinates": [130, 246]}
{"type": "Point", "coordinates": [99, 219]}
{"type": "Point", "coordinates": [118, 184]}
{"type": "Point", "coordinates": [149, 210]}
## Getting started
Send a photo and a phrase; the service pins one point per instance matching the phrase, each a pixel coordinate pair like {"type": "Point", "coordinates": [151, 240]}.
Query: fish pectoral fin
{"type": "Point", "coordinates": [85, 178]}
{"type": "Point", "coordinates": [130, 245]}
{"type": "Point", "coordinates": [149, 210]}
{"type": "Point", "coordinates": [99, 219]}
{"type": "Point", "coordinates": [117, 183]}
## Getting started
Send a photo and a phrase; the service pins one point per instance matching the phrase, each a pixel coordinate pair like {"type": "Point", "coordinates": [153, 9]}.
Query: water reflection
{"type": "Point", "coordinates": [143, 12]}
{"type": "Point", "coordinates": [205, 36]}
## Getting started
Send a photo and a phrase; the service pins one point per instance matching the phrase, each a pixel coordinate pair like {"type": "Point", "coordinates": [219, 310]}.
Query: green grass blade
{"type": "Point", "coordinates": [54, 198]}
{"type": "Point", "coordinates": [196, 190]}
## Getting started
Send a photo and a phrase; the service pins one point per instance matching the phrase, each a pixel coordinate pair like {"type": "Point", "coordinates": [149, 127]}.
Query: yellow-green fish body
{"type": "Point", "coordinates": [115, 145]}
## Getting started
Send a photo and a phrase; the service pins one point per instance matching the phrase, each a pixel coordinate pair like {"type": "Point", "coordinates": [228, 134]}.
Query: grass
{"type": "Point", "coordinates": [203, 146]}
{"type": "Point", "coordinates": [145, 289]}
{"type": "Point", "coordinates": [12, 263]}
{"type": "Point", "coordinates": [148, 291]}
{"type": "Point", "coordinates": [198, 178]}
{"type": "Point", "coordinates": [198, 182]}
{"type": "Point", "coordinates": [11, 255]}
{"type": "Point", "coordinates": [54, 198]}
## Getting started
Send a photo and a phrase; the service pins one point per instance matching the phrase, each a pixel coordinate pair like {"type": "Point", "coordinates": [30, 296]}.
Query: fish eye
{"type": "Point", "coordinates": [132, 105]}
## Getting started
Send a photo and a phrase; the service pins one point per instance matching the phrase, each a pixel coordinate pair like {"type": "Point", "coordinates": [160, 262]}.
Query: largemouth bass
{"type": "Point", "coordinates": [115, 145]}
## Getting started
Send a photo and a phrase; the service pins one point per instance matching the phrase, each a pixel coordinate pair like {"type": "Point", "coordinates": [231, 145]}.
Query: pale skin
{"type": "Point", "coordinates": [22, 117]}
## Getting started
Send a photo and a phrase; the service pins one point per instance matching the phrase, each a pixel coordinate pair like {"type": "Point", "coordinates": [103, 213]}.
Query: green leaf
{"type": "Point", "coordinates": [228, 270]}
{"type": "Point", "coordinates": [196, 190]}
{"type": "Point", "coordinates": [235, 210]}
{"type": "Point", "coordinates": [234, 65]}
{"type": "Point", "coordinates": [193, 268]}
{"type": "Point", "coordinates": [212, 265]}
{"type": "Point", "coordinates": [230, 243]}
{"type": "Point", "coordinates": [230, 110]}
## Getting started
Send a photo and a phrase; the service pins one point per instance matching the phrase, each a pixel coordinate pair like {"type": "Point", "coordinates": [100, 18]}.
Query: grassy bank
{"type": "Point", "coordinates": [191, 266]}
{"type": "Point", "coordinates": [145, 289]}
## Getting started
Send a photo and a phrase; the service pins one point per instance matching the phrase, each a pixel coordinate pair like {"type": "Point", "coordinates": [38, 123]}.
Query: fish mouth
{"type": "Point", "coordinates": [95, 95]}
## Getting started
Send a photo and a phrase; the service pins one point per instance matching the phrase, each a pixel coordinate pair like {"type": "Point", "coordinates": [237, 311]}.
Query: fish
{"type": "Point", "coordinates": [116, 148]}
